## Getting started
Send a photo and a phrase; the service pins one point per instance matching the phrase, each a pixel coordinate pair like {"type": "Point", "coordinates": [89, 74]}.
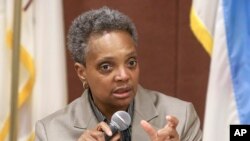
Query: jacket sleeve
{"type": "Point", "coordinates": [192, 131]}
{"type": "Point", "coordinates": [40, 133]}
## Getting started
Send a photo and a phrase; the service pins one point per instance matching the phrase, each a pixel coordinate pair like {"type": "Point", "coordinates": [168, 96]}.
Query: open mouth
{"type": "Point", "coordinates": [122, 92]}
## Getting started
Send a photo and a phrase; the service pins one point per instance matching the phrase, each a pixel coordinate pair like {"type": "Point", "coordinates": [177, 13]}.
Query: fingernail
{"type": "Point", "coordinates": [110, 133]}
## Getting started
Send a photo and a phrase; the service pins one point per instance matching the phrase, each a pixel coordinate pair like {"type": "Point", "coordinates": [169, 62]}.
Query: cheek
{"type": "Point", "coordinates": [99, 83]}
{"type": "Point", "coordinates": [100, 88]}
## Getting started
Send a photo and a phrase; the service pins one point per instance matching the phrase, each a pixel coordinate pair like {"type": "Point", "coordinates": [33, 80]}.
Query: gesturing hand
{"type": "Point", "coordinates": [98, 134]}
{"type": "Point", "coordinates": [168, 133]}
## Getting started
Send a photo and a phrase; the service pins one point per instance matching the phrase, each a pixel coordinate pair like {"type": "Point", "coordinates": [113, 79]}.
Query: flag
{"type": "Point", "coordinates": [42, 76]}
{"type": "Point", "coordinates": [223, 28]}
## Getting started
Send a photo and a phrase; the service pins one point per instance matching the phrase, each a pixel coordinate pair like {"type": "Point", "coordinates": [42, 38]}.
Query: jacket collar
{"type": "Point", "coordinates": [84, 117]}
{"type": "Point", "coordinates": [144, 105]}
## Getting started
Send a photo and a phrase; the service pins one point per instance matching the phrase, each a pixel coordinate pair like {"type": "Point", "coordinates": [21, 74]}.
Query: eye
{"type": "Point", "coordinates": [132, 63]}
{"type": "Point", "coordinates": [105, 67]}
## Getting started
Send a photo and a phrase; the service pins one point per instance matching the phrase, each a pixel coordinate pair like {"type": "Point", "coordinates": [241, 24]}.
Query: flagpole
{"type": "Point", "coordinates": [15, 70]}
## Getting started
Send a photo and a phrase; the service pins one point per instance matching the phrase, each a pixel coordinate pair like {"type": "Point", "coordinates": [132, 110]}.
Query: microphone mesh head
{"type": "Point", "coordinates": [121, 120]}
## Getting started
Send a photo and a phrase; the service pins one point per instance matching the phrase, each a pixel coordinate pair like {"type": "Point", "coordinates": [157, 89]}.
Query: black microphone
{"type": "Point", "coordinates": [120, 121]}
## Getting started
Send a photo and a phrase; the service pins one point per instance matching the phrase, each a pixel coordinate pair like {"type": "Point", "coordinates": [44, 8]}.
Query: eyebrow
{"type": "Point", "coordinates": [133, 53]}
{"type": "Point", "coordinates": [108, 58]}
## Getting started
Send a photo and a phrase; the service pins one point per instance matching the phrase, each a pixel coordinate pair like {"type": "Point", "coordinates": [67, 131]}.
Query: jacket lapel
{"type": "Point", "coordinates": [84, 117]}
{"type": "Point", "coordinates": [144, 110]}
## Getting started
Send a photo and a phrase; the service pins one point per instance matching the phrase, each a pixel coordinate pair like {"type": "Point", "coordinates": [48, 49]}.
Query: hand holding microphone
{"type": "Point", "coordinates": [119, 121]}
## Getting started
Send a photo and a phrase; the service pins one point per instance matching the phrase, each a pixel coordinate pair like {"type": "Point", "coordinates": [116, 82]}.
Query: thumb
{"type": "Point", "coordinates": [149, 129]}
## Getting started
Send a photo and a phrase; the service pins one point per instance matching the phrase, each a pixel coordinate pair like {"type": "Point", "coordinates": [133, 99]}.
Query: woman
{"type": "Point", "coordinates": [103, 45]}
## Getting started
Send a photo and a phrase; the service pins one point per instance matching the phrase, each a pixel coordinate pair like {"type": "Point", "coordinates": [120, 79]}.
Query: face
{"type": "Point", "coordinates": [111, 70]}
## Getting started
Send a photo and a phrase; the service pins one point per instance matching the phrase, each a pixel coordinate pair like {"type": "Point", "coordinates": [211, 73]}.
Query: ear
{"type": "Point", "coordinates": [81, 71]}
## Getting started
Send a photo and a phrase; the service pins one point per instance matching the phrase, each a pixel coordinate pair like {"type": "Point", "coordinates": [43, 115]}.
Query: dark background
{"type": "Point", "coordinates": [172, 61]}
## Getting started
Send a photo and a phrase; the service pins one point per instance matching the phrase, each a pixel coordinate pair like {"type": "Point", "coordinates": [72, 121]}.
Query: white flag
{"type": "Point", "coordinates": [222, 26]}
{"type": "Point", "coordinates": [42, 82]}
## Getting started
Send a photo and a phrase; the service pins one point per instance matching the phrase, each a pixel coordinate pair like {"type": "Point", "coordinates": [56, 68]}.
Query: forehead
{"type": "Point", "coordinates": [113, 43]}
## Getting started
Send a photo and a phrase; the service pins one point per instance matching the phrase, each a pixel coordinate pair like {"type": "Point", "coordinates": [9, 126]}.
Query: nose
{"type": "Point", "coordinates": [122, 74]}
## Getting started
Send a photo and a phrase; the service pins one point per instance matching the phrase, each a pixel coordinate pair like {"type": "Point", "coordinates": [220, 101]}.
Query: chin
{"type": "Point", "coordinates": [123, 104]}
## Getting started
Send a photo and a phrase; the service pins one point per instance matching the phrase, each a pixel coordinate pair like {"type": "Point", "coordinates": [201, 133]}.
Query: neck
{"type": "Point", "coordinates": [109, 111]}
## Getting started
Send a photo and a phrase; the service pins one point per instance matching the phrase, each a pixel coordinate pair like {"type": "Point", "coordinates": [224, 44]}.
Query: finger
{"type": "Point", "coordinates": [103, 126]}
{"type": "Point", "coordinates": [116, 137]}
{"type": "Point", "coordinates": [149, 129]}
{"type": "Point", "coordinates": [98, 135]}
{"type": "Point", "coordinates": [172, 121]}
{"type": "Point", "coordinates": [167, 133]}
{"type": "Point", "coordinates": [86, 136]}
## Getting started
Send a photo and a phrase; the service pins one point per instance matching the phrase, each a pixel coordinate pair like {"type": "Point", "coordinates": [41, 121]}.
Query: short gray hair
{"type": "Point", "coordinates": [96, 21]}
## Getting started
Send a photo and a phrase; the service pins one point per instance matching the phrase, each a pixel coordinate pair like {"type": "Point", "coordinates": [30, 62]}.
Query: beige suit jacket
{"type": "Point", "coordinates": [69, 123]}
